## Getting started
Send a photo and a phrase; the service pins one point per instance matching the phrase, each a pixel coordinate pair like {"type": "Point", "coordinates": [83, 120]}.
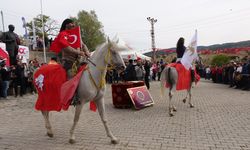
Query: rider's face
{"type": "Point", "coordinates": [70, 25]}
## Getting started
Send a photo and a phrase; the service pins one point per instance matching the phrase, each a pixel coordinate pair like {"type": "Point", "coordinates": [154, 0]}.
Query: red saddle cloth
{"type": "Point", "coordinates": [69, 87]}
{"type": "Point", "coordinates": [184, 76]}
{"type": "Point", "coordinates": [48, 80]}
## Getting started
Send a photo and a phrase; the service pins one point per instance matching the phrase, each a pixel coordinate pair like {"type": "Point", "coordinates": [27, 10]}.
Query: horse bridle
{"type": "Point", "coordinates": [107, 59]}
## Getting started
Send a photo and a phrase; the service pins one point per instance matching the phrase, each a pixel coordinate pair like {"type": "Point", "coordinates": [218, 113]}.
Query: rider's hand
{"type": "Point", "coordinates": [87, 54]}
{"type": "Point", "coordinates": [81, 53]}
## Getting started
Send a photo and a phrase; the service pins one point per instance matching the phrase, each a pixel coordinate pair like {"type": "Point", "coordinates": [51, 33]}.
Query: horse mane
{"type": "Point", "coordinates": [99, 48]}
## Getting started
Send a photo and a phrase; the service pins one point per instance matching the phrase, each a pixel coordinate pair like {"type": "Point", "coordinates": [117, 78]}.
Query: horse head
{"type": "Point", "coordinates": [114, 49]}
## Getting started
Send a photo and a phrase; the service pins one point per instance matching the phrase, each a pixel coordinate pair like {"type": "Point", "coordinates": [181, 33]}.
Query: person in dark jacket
{"type": "Point", "coordinates": [147, 74]}
{"type": "Point", "coordinates": [5, 75]}
{"type": "Point", "coordinates": [180, 49]}
{"type": "Point", "coordinates": [130, 73]}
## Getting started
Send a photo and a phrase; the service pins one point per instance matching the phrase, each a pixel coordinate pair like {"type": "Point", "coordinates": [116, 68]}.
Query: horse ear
{"type": "Point", "coordinates": [117, 41]}
{"type": "Point", "coordinates": [109, 40]}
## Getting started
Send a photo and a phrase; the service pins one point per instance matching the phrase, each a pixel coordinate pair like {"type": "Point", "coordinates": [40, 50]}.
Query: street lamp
{"type": "Point", "coordinates": [152, 22]}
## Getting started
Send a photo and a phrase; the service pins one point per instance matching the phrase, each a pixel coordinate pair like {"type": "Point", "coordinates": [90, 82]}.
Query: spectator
{"type": "Point", "coordinates": [5, 75]}
{"type": "Point", "coordinates": [130, 73]}
{"type": "Point", "coordinates": [147, 74]}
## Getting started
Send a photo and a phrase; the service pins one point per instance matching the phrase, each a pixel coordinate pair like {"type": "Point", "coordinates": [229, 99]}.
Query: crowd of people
{"type": "Point", "coordinates": [137, 70]}
{"type": "Point", "coordinates": [235, 74]}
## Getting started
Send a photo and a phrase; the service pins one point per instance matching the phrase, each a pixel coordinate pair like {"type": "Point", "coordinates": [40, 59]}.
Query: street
{"type": "Point", "coordinates": [220, 120]}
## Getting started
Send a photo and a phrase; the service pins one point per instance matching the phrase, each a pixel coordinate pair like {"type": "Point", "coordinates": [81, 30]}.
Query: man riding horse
{"type": "Point", "coordinates": [69, 54]}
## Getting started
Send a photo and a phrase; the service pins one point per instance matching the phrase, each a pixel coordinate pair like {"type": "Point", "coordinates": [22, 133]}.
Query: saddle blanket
{"type": "Point", "coordinates": [184, 76]}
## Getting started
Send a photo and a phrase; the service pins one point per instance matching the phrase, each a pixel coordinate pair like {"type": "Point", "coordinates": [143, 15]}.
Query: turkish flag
{"type": "Point", "coordinates": [67, 38]}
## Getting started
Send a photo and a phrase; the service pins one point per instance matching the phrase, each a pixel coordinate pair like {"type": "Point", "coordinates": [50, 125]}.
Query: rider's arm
{"type": "Point", "coordinates": [85, 49]}
{"type": "Point", "coordinates": [71, 50]}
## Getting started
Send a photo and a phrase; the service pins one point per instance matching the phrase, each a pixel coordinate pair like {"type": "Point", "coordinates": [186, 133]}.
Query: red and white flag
{"type": "Point", "coordinates": [4, 54]}
{"type": "Point", "coordinates": [67, 38]}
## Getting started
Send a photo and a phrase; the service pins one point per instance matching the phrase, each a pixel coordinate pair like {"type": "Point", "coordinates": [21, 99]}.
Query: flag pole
{"type": "Point", "coordinates": [2, 20]}
{"type": "Point", "coordinates": [44, 51]}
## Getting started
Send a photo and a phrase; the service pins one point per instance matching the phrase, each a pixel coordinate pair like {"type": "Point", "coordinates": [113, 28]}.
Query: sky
{"type": "Point", "coordinates": [217, 21]}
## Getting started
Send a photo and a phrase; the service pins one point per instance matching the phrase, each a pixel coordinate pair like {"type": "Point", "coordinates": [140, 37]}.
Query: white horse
{"type": "Point", "coordinates": [169, 75]}
{"type": "Point", "coordinates": [92, 86]}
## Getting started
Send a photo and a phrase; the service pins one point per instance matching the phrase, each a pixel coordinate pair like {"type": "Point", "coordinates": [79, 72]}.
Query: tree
{"type": "Point", "coordinates": [51, 27]}
{"type": "Point", "coordinates": [219, 60]}
{"type": "Point", "coordinates": [91, 29]}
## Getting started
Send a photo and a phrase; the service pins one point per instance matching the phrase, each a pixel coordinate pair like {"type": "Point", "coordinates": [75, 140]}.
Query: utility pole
{"type": "Point", "coordinates": [2, 20]}
{"type": "Point", "coordinates": [152, 22]}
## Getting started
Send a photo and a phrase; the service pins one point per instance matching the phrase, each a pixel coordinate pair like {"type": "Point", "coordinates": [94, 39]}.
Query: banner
{"type": "Point", "coordinates": [191, 53]}
{"type": "Point", "coordinates": [4, 54]}
{"type": "Point", "coordinates": [23, 52]}
{"type": "Point", "coordinates": [140, 97]}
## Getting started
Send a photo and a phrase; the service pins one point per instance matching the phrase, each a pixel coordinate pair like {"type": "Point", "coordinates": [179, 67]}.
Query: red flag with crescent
{"type": "Point", "coordinates": [67, 38]}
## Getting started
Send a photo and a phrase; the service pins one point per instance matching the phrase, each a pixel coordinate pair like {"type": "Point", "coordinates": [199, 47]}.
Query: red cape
{"type": "Point", "coordinates": [184, 76]}
{"type": "Point", "coordinates": [49, 90]}
{"type": "Point", "coordinates": [68, 89]}
{"type": "Point", "coordinates": [54, 92]}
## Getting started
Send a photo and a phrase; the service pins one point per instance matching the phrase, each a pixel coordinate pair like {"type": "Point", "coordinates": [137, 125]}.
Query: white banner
{"type": "Point", "coordinates": [24, 51]}
{"type": "Point", "coordinates": [191, 53]}
{"type": "Point", "coordinates": [3, 46]}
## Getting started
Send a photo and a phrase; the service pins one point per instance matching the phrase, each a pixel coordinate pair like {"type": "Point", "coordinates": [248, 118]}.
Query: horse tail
{"type": "Point", "coordinates": [168, 76]}
{"type": "Point", "coordinates": [164, 78]}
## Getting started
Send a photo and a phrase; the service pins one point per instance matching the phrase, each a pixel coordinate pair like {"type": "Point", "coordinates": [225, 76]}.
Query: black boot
{"type": "Point", "coordinates": [75, 100]}
{"type": "Point", "coordinates": [192, 75]}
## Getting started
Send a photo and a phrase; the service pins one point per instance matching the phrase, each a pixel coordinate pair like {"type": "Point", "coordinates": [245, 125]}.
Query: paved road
{"type": "Point", "coordinates": [220, 120]}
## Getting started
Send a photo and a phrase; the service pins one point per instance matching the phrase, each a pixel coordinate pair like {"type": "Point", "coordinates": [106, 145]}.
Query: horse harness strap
{"type": "Point", "coordinates": [107, 58]}
{"type": "Point", "coordinates": [92, 79]}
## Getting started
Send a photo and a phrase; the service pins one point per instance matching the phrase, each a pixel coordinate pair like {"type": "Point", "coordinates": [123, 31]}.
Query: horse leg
{"type": "Point", "coordinates": [189, 99]}
{"type": "Point", "coordinates": [76, 119]}
{"type": "Point", "coordinates": [185, 99]}
{"type": "Point", "coordinates": [171, 113]}
{"type": "Point", "coordinates": [47, 123]}
{"type": "Point", "coordinates": [101, 110]}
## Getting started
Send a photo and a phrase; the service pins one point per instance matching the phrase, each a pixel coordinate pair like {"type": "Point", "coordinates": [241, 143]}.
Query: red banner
{"type": "Point", "coordinates": [140, 97]}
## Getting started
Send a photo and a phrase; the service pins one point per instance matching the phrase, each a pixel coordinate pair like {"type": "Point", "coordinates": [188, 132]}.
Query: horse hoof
{"type": "Point", "coordinates": [50, 135]}
{"type": "Point", "coordinates": [115, 141]}
{"type": "Point", "coordinates": [174, 109]}
{"type": "Point", "coordinates": [72, 141]}
{"type": "Point", "coordinates": [191, 106]}
{"type": "Point", "coordinates": [171, 114]}
{"type": "Point", "coordinates": [184, 100]}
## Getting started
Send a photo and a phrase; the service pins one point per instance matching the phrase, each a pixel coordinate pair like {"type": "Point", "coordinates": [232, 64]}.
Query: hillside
{"type": "Point", "coordinates": [211, 47]}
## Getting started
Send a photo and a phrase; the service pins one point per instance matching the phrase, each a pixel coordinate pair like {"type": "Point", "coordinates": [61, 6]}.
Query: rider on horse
{"type": "Point", "coordinates": [180, 50]}
{"type": "Point", "coordinates": [70, 54]}
{"type": "Point", "coordinates": [62, 44]}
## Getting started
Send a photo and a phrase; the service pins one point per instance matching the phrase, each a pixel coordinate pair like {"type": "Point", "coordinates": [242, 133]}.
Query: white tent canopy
{"type": "Point", "coordinates": [129, 53]}
{"type": "Point", "coordinates": [132, 54]}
